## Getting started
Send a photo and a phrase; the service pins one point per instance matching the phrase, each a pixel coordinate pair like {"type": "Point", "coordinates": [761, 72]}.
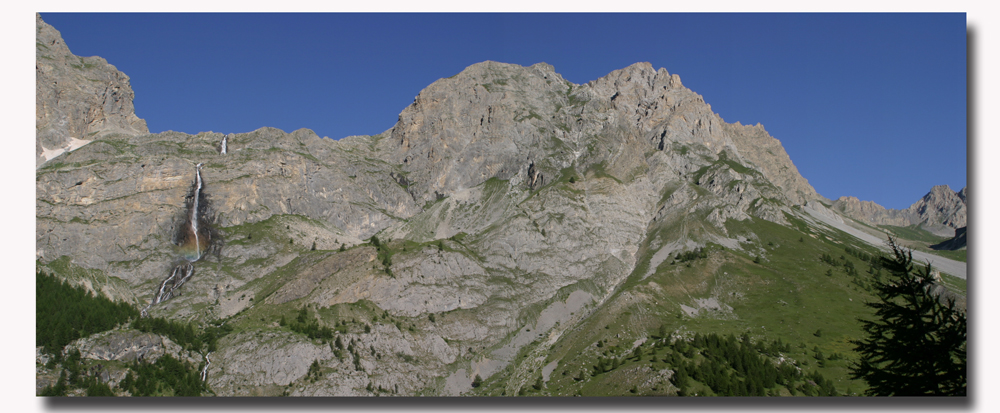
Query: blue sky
{"type": "Point", "coordinates": [869, 105]}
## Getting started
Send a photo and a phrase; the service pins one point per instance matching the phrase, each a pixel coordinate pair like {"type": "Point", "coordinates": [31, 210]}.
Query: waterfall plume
{"type": "Point", "coordinates": [195, 236]}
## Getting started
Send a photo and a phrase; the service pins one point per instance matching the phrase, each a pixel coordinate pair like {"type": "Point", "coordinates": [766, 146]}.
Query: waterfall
{"type": "Point", "coordinates": [162, 291]}
{"type": "Point", "coordinates": [222, 148]}
{"type": "Point", "coordinates": [194, 214]}
{"type": "Point", "coordinates": [189, 271]}
{"type": "Point", "coordinates": [178, 276]}
{"type": "Point", "coordinates": [187, 232]}
{"type": "Point", "coordinates": [204, 371]}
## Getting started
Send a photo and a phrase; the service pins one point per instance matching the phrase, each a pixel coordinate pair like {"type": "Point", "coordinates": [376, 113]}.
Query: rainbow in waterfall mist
{"type": "Point", "coordinates": [194, 236]}
{"type": "Point", "coordinates": [193, 248]}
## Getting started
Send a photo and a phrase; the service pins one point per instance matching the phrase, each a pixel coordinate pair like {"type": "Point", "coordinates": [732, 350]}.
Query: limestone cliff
{"type": "Point", "coordinates": [502, 209]}
{"type": "Point", "coordinates": [497, 120]}
{"type": "Point", "coordinates": [77, 99]}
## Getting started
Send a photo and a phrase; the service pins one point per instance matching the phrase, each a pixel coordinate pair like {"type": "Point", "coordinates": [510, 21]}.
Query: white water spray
{"type": "Point", "coordinates": [182, 271]}
{"type": "Point", "coordinates": [187, 274]}
{"type": "Point", "coordinates": [222, 149]}
{"type": "Point", "coordinates": [204, 371]}
{"type": "Point", "coordinates": [194, 213]}
{"type": "Point", "coordinates": [162, 292]}
{"type": "Point", "coordinates": [171, 283]}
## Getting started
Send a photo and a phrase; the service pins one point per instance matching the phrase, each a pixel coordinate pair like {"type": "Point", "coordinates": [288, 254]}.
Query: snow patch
{"type": "Point", "coordinates": [74, 144]}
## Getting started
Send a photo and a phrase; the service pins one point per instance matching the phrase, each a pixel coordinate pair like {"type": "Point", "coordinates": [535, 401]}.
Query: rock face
{"type": "Point", "coordinates": [506, 204]}
{"type": "Point", "coordinates": [128, 346]}
{"type": "Point", "coordinates": [941, 211]}
{"type": "Point", "coordinates": [499, 189]}
{"type": "Point", "coordinates": [499, 120]}
{"type": "Point", "coordinates": [871, 212]}
{"type": "Point", "coordinates": [77, 99]}
{"type": "Point", "coordinates": [942, 206]}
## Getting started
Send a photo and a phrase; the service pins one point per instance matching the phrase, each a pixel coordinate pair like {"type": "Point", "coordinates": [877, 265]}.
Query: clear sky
{"type": "Point", "coordinates": [869, 105]}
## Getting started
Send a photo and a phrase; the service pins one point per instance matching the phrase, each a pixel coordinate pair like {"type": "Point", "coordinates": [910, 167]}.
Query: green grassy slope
{"type": "Point", "coordinates": [790, 295]}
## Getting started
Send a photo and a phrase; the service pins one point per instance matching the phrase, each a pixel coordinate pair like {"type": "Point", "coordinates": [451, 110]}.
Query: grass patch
{"type": "Point", "coordinates": [530, 115]}
{"type": "Point", "coordinates": [955, 284]}
{"type": "Point", "coordinates": [957, 255]}
{"type": "Point", "coordinates": [914, 233]}
{"type": "Point", "coordinates": [787, 296]}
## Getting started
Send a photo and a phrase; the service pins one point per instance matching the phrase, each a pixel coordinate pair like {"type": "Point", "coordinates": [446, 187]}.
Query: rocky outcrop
{"type": "Point", "coordinates": [77, 99]}
{"type": "Point", "coordinates": [941, 206]}
{"type": "Point", "coordinates": [129, 346]}
{"type": "Point", "coordinates": [871, 212]}
{"type": "Point", "coordinates": [500, 120]}
{"type": "Point", "coordinates": [119, 198]}
{"type": "Point", "coordinates": [941, 211]}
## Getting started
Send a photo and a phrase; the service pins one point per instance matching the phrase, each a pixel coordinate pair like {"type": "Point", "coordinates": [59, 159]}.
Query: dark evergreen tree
{"type": "Point", "coordinates": [917, 343]}
{"type": "Point", "coordinates": [64, 313]}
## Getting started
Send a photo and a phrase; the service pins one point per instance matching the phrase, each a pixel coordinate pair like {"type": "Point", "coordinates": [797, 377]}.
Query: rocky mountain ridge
{"type": "Point", "coordinates": [505, 210]}
{"type": "Point", "coordinates": [77, 99]}
{"type": "Point", "coordinates": [941, 211]}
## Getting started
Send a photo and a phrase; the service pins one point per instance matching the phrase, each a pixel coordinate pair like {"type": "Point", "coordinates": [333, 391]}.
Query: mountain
{"type": "Point", "coordinates": [941, 211]}
{"type": "Point", "coordinates": [77, 99]}
{"type": "Point", "coordinates": [511, 228]}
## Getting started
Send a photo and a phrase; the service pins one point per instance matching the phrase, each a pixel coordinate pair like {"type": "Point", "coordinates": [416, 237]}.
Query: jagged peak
{"type": "Point", "coordinates": [489, 71]}
{"type": "Point", "coordinates": [492, 64]}
{"type": "Point", "coordinates": [639, 66]}
{"type": "Point", "coordinates": [941, 189]}
{"type": "Point", "coordinates": [543, 67]}
{"type": "Point", "coordinates": [849, 199]}
{"type": "Point", "coordinates": [491, 68]}
{"type": "Point", "coordinates": [939, 194]}
{"type": "Point", "coordinates": [48, 38]}
{"type": "Point", "coordinates": [635, 71]}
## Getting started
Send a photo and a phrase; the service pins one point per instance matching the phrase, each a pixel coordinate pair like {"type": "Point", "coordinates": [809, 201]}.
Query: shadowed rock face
{"type": "Point", "coordinates": [77, 99]}
{"type": "Point", "coordinates": [959, 241]}
{"type": "Point", "coordinates": [196, 234]}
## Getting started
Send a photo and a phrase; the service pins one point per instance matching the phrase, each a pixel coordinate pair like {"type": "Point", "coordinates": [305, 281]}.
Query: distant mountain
{"type": "Point", "coordinates": [941, 211]}
{"type": "Point", "coordinates": [513, 233]}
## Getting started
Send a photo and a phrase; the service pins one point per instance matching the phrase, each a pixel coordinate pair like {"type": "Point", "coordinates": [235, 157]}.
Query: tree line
{"type": "Point", "coordinates": [184, 334]}
{"type": "Point", "coordinates": [64, 313]}
{"type": "Point", "coordinates": [727, 365]}
{"type": "Point", "coordinates": [309, 326]}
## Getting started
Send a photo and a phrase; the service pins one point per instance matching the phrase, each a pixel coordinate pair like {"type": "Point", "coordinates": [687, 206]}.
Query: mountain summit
{"type": "Point", "coordinates": [513, 233]}
{"type": "Point", "coordinates": [495, 119]}
{"type": "Point", "coordinates": [941, 211]}
{"type": "Point", "coordinates": [77, 99]}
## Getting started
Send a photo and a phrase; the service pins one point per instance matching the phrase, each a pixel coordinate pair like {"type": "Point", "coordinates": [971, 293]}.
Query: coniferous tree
{"type": "Point", "coordinates": [917, 343]}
